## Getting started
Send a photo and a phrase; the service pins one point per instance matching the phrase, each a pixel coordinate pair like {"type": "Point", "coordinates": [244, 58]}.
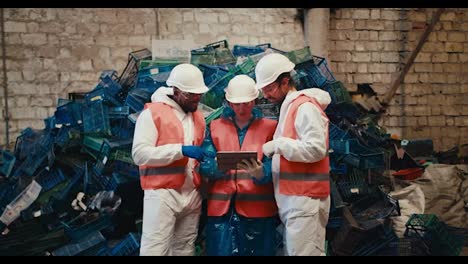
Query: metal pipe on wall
{"type": "Point", "coordinates": [6, 113]}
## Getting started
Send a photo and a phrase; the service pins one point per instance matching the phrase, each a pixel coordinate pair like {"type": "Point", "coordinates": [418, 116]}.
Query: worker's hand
{"type": "Point", "coordinates": [195, 152]}
{"type": "Point", "coordinates": [253, 167]}
{"type": "Point", "coordinates": [269, 148]}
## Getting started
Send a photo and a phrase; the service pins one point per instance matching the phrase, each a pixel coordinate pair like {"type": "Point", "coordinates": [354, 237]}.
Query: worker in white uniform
{"type": "Point", "coordinates": [166, 147]}
{"type": "Point", "coordinates": [299, 148]}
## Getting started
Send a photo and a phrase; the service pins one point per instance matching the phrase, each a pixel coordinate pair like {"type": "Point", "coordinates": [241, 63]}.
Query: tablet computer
{"type": "Point", "coordinates": [227, 160]}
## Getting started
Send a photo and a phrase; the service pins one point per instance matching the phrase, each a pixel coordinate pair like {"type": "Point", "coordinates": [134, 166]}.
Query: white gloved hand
{"type": "Point", "coordinates": [254, 167]}
{"type": "Point", "coordinates": [269, 148]}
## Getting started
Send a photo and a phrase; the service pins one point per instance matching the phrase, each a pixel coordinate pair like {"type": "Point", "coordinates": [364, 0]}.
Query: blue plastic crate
{"type": "Point", "coordinates": [137, 98]}
{"type": "Point", "coordinates": [241, 50]}
{"type": "Point", "coordinates": [69, 114]}
{"type": "Point", "coordinates": [372, 246]}
{"type": "Point", "coordinates": [28, 142]}
{"type": "Point", "coordinates": [122, 128]}
{"type": "Point", "coordinates": [119, 112]}
{"type": "Point", "coordinates": [352, 159]}
{"type": "Point", "coordinates": [336, 133]}
{"type": "Point", "coordinates": [129, 246]}
{"type": "Point", "coordinates": [317, 69]}
{"type": "Point", "coordinates": [338, 168]}
{"type": "Point", "coordinates": [247, 67]}
{"type": "Point", "coordinates": [338, 92]}
{"type": "Point", "coordinates": [126, 169]}
{"type": "Point", "coordinates": [96, 119]}
{"type": "Point", "coordinates": [102, 157]}
{"type": "Point", "coordinates": [49, 179]}
{"type": "Point", "coordinates": [336, 200]}
{"type": "Point", "coordinates": [8, 161]}
{"type": "Point", "coordinates": [352, 185]}
{"type": "Point", "coordinates": [76, 233]}
{"type": "Point", "coordinates": [33, 162]}
{"type": "Point", "coordinates": [129, 74]}
{"type": "Point", "coordinates": [84, 244]}
{"type": "Point", "coordinates": [340, 146]}
{"type": "Point", "coordinates": [78, 173]}
{"type": "Point", "coordinates": [105, 94]}
{"type": "Point", "coordinates": [107, 183]}
{"type": "Point", "coordinates": [68, 137]}
{"type": "Point", "coordinates": [369, 158]}
{"type": "Point", "coordinates": [49, 123]}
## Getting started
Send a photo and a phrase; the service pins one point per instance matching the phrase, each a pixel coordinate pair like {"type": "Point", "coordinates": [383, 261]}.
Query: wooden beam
{"type": "Point", "coordinates": [396, 82]}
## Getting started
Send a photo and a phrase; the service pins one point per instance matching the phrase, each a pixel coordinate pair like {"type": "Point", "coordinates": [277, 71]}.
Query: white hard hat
{"type": "Point", "coordinates": [270, 67]}
{"type": "Point", "coordinates": [187, 78]}
{"type": "Point", "coordinates": [241, 89]}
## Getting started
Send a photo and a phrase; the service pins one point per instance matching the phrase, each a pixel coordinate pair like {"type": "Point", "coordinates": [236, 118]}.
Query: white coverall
{"type": "Point", "coordinates": [170, 216]}
{"type": "Point", "coordinates": [304, 218]}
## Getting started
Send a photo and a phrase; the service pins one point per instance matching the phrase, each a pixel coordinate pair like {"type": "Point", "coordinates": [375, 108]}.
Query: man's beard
{"type": "Point", "coordinates": [189, 108]}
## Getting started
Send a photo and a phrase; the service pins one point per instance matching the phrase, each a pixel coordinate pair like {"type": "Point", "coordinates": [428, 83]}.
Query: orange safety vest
{"type": "Point", "coordinates": [251, 200]}
{"type": "Point", "coordinates": [298, 178]}
{"type": "Point", "coordinates": [170, 131]}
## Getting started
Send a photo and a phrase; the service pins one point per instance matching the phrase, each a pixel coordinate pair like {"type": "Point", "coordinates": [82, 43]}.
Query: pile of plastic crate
{"type": "Point", "coordinates": [86, 147]}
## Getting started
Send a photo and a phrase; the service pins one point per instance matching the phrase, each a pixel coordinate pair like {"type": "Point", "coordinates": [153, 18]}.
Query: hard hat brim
{"type": "Point", "coordinates": [199, 90]}
{"type": "Point", "coordinates": [286, 68]}
{"type": "Point", "coordinates": [243, 99]}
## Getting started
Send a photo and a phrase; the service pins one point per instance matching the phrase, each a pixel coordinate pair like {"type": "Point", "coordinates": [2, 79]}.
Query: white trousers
{"type": "Point", "coordinates": [170, 222]}
{"type": "Point", "coordinates": [305, 220]}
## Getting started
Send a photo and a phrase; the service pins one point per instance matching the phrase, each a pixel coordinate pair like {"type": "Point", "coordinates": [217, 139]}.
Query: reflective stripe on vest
{"type": "Point", "coordinates": [156, 171]}
{"type": "Point", "coordinates": [305, 176]}
{"type": "Point", "coordinates": [251, 200]}
{"type": "Point", "coordinates": [170, 131]}
{"type": "Point", "coordinates": [297, 178]}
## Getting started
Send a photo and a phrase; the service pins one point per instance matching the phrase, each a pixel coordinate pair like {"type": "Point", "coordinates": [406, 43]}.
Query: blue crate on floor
{"type": "Point", "coordinates": [104, 221]}
{"type": "Point", "coordinates": [129, 246]}
{"type": "Point", "coordinates": [372, 246]}
{"type": "Point", "coordinates": [79, 248]}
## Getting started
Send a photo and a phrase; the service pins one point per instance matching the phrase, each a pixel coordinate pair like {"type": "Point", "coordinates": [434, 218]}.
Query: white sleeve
{"type": "Point", "coordinates": [143, 150]}
{"type": "Point", "coordinates": [310, 145]}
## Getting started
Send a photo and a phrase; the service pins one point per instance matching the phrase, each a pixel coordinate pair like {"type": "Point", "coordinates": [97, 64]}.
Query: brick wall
{"type": "Point", "coordinates": [371, 45]}
{"type": "Point", "coordinates": [52, 52]}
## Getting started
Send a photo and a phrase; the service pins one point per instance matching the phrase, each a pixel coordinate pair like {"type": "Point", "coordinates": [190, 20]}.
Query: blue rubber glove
{"type": "Point", "coordinates": [194, 152]}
